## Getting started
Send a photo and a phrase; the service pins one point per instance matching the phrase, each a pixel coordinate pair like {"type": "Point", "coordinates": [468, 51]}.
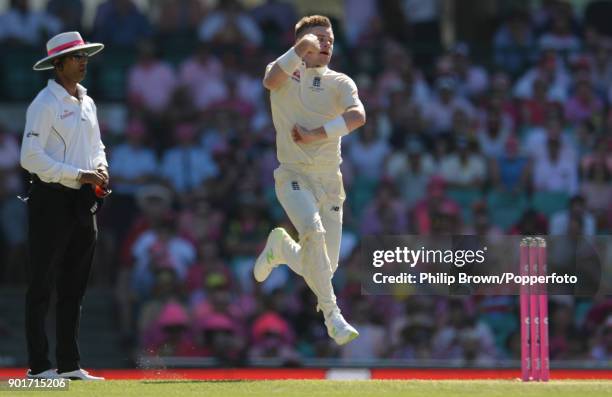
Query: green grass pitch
{"type": "Point", "coordinates": [323, 388]}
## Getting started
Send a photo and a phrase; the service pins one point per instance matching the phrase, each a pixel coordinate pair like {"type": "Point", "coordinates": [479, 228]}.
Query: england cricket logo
{"type": "Point", "coordinates": [316, 84]}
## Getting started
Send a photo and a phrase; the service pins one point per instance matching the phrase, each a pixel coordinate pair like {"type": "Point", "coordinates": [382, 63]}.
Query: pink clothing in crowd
{"type": "Point", "coordinates": [154, 97]}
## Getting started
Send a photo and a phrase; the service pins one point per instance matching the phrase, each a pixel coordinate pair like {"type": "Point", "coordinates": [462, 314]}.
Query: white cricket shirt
{"type": "Point", "coordinates": [310, 97]}
{"type": "Point", "coordinates": [61, 136]}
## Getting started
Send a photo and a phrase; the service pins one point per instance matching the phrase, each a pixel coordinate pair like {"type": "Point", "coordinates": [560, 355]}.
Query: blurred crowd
{"type": "Point", "coordinates": [517, 142]}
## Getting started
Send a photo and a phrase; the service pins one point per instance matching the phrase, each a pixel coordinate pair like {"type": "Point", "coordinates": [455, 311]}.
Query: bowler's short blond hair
{"type": "Point", "coordinates": [310, 22]}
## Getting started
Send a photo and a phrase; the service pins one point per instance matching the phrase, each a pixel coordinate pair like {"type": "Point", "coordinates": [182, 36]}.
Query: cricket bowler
{"type": "Point", "coordinates": [312, 108]}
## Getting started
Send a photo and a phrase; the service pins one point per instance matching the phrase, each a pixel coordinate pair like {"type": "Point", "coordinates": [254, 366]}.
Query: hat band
{"type": "Point", "coordinates": [64, 46]}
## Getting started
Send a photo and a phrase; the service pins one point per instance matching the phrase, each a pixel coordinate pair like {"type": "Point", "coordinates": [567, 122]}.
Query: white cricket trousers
{"type": "Point", "coordinates": [312, 197]}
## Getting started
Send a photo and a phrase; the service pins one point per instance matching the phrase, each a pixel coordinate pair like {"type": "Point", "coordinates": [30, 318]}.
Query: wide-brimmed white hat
{"type": "Point", "coordinates": [65, 43]}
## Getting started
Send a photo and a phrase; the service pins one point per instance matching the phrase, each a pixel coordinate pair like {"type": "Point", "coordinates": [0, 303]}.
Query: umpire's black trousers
{"type": "Point", "coordinates": [62, 239]}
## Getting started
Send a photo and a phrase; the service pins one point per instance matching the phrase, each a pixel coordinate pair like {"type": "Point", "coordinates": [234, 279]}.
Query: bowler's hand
{"type": "Point", "coordinates": [93, 178]}
{"type": "Point", "coordinates": [302, 135]}
{"type": "Point", "coordinates": [308, 44]}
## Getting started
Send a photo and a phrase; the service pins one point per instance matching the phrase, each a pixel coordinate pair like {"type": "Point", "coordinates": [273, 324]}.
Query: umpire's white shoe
{"type": "Point", "coordinates": [338, 329]}
{"type": "Point", "coordinates": [48, 374]}
{"type": "Point", "coordinates": [270, 257]}
{"type": "Point", "coordinates": [78, 374]}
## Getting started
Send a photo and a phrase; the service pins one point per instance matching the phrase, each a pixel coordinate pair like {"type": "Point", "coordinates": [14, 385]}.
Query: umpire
{"type": "Point", "coordinates": [63, 152]}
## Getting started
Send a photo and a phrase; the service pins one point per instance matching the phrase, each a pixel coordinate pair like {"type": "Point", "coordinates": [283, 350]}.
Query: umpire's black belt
{"type": "Point", "coordinates": [51, 185]}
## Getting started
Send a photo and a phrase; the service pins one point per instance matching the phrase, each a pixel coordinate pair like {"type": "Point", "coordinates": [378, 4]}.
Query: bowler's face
{"type": "Point", "coordinates": [326, 40]}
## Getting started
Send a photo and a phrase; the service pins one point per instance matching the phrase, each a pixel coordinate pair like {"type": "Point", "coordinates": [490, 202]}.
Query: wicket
{"type": "Point", "coordinates": [535, 363]}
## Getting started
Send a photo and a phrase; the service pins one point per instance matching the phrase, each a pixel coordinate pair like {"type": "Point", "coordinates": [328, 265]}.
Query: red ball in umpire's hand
{"type": "Point", "coordinates": [100, 191]}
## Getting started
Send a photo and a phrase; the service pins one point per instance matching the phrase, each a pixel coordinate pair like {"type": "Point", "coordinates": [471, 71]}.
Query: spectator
{"type": "Point", "coordinates": [602, 153]}
{"type": "Point", "coordinates": [154, 98]}
{"type": "Point", "coordinates": [386, 214]}
{"type": "Point", "coordinates": [13, 214]}
{"type": "Point", "coordinates": [19, 25]}
{"type": "Point", "coordinates": [600, 67]}
{"type": "Point", "coordinates": [597, 191]}
{"type": "Point", "coordinates": [173, 337]}
{"type": "Point", "coordinates": [202, 75]}
{"type": "Point", "coordinates": [275, 19]}
{"type": "Point", "coordinates": [463, 337]}
{"type": "Point", "coordinates": [133, 163]}
{"type": "Point", "coordinates": [273, 338]}
{"type": "Point", "coordinates": [362, 15]}
{"type": "Point", "coordinates": [565, 339]}
{"type": "Point", "coordinates": [120, 23]}
{"type": "Point", "coordinates": [368, 153]}
{"type": "Point", "coordinates": [178, 17]}
{"type": "Point", "coordinates": [220, 298]}
{"type": "Point", "coordinates": [406, 121]}
{"type": "Point", "coordinates": [233, 103]}
{"type": "Point", "coordinates": [465, 168]}
{"type": "Point", "coordinates": [373, 336]}
{"type": "Point", "coordinates": [200, 221]}
{"type": "Point", "coordinates": [514, 42]}
{"type": "Point", "coordinates": [411, 170]}
{"type": "Point", "coordinates": [560, 222]}
{"type": "Point", "coordinates": [208, 263]}
{"type": "Point", "coordinates": [584, 105]}
{"type": "Point", "coordinates": [555, 168]}
{"type": "Point", "coordinates": [166, 288]}
{"type": "Point", "coordinates": [156, 248]}
{"type": "Point", "coordinates": [493, 135]}
{"type": "Point", "coordinates": [423, 19]}
{"type": "Point", "coordinates": [481, 225]}
{"type": "Point", "coordinates": [472, 80]}
{"type": "Point", "coordinates": [434, 206]}
{"type": "Point", "coordinates": [439, 111]}
{"type": "Point", "coordinates": [400, 74]}
{"type": "Point", "coordinates": [535, 139]}
{"type": "Point", "coordinates": [410, 332]}
{"type": "Point", "coordinates": [531, 223]}
{"type": "Point", "coordinates": [10, 182]}
{"type": "Point", "coordinates": [218, 337]}
{"type": "Point", "coordinates": [602, 350]}
{"type": "Point", "coordinates": [501, 100]}
{"type": "Point", "coordinates": [69, 12]}
{"type": "Point", "coordinates": [230, 25]}
{"type": "Point", "coordinates": [187, 166]}
{"type": "Point", "coordinates": [535, 108]}
{"type": "Point", "coordinates": [560, 36]}
{"type": "Point", "coordinates": [552, 72]}
{"type": "Point", "coordinates": [180, 109]}
{"type": "Point", "coordinates": [510, 171]}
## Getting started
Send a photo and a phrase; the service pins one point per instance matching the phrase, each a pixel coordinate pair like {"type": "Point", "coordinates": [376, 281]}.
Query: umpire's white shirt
{"type": "Point", "coordinates": [310, 97]}
{"type": "Point", "coordinates": [61, 136]}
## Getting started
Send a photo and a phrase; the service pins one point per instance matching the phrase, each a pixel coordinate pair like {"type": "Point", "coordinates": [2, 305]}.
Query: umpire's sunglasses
{"type": "Point", "coordinates": [79, 56]}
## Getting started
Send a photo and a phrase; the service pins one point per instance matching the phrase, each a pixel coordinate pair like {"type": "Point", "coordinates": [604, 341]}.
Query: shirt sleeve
{"type": "Point", "coordinates": [39, 122]}
{"type": "Point", "coordinates": [98, 149]}
{"type": "Point", "coordinates": [348, 95]}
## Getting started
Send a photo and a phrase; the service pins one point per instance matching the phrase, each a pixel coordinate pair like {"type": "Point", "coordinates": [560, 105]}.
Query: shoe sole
{"type": "Point", "coordinates": [76, 378]}
{"type": "Point", "coordinates": [262, 261]}
{"type": "Point", "coordinates": [42, 377]}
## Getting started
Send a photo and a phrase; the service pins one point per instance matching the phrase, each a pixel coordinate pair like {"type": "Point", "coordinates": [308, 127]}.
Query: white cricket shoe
{"type": "Point", "coordinates": [270, 257]}
{"type": "Point", "coordinates": [78, 374]}
{"type": "Point", "coordinates": [48, 374]}
{"type": "Point", "coordinates": [338, 329]}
